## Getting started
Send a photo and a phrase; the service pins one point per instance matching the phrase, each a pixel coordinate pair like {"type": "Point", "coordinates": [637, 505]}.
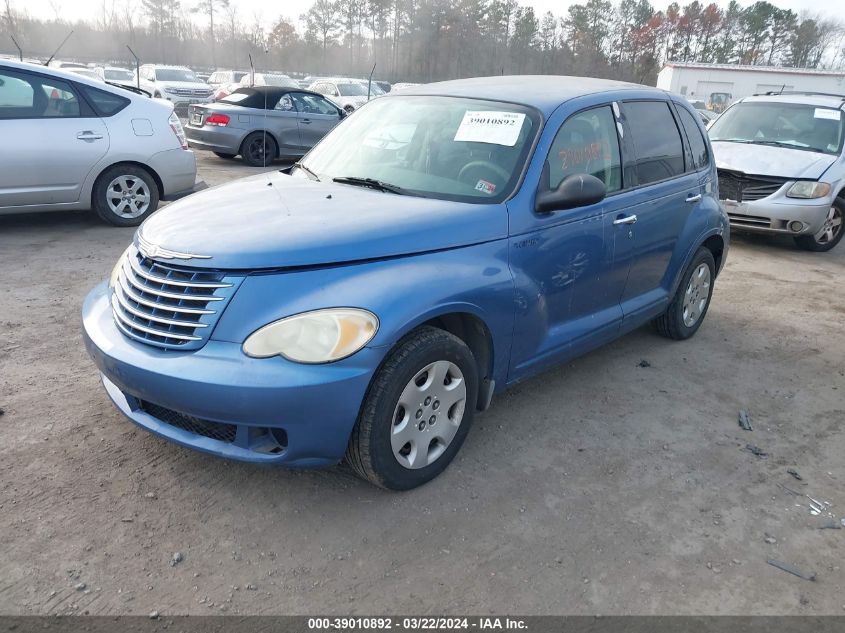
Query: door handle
{"type": "Point", "coordinates": [306, 121]}
{"type": "Point", "coordinates": [630, 219]}
{"type": "Point", "coordinates": [694, 197]}
{"type": "Point", "coordinates": [88, 135]}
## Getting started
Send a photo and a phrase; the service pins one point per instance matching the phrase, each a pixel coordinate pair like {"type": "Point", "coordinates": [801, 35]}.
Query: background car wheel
{"type": "Point", "coordinates": [688, 307]}
{"type": "Point", "coordinates": [417, 412]}
{"type": "Point", "coordinates": [224, 155]}
{"type": "Point", "coordinates": [258, 149]}
{"type": "Point", "coordinates": [124, 195]}
{"type": "Point", "coordinates": [831, 232]}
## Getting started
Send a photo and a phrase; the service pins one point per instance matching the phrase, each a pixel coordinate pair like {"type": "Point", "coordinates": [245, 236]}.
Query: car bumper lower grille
{"type": "Point", "coordinates": [214, 430]}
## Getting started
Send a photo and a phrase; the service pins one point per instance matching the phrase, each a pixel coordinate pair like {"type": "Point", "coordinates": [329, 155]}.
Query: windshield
{"type": "Point", "coordinates": [118, 74]}
{"type": "Point", "coordinates": [176, 74]}
{"type": "Point", "coordinates": [440, 147]}
{"type": "Point", "coordinates": [795, 125]}
{"type": "Point", "coordinates": [352, 90]}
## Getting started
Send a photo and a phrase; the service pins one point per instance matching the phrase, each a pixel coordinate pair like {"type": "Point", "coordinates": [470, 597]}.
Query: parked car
{"type": "Point", "coordinates": [707, 117]}
{"type": "Point", "coordinates": [225, 90]}
{"type": "Point", "coordinates": [402, 85]}
{"type": "Point", "coordinates": [262, 123]}
{"type": "Point", "coordinates": [223, 77]}
{"type": "Point", "coordinates": [73, 143]}
{"type": "Point", "coordinates": [177, 84]}
{"type": "Point", "coordinates": [349, 94]}
{"type": "Point", "coordinates": [268, 79]}
{"type": "Point", "coordinates": [115, 75]}
{"type": "Point", "coordinates": [89, 73]}
{"type": "Point", "coordinates": [437, 247]}
{"type": "Point", "coordinates": [782, 166]}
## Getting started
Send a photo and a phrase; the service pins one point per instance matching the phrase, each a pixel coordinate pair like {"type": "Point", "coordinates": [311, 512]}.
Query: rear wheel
{"type": "Point", "coordinates": [688, 307]}
{"type": "Point", "coordinates": [831, 232]}
{"type": "Point", "coordinates": [258, 149]}
{"type": "Point", "coordinates": [417, 411]}
{"type": "Point", "coordinates": [124, 195]}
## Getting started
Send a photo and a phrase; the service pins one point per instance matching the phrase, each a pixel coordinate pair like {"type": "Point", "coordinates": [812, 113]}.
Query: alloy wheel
{"type": "Point", "coordinates": [696, 295]}
{"type": "Point", "coordinates": [128, 196]}
{"type": "Point", "coordinates": [831, 228]}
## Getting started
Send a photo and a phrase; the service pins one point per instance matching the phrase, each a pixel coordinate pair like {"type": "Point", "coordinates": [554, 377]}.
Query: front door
{"type": "Point", "coordinates": [568, 280]}
{"type": "Point", "coordinates": [50, 136]}
{"type": "Point", "coordinates": [316, 115]}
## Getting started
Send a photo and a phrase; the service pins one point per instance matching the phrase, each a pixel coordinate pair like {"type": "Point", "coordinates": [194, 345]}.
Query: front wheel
{"type": "Point", "coordinates": [688, 307]}
{"type": "Point", "coordinates": [258, 149]}
{"type": "Point", "coordinates": [124, 195]}
{"type": "Point", "coordinates": [831, 232]}
{"type": "Point", "coordinates": [417, 412]}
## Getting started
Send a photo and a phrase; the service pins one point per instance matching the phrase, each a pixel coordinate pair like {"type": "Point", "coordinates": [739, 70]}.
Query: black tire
{"type": "Point", "coordinates": [133, 174]}
{"type": "Point", "coordinates": [258, 149]}
{"type": "Point", "coordinates": [812, 243]}
{"type": "Point", "coordinates": [671, 323]}
{"type": "Point", "coordinates": [224, 155]}
{"type": "Point", "coordinates": [369, 452]}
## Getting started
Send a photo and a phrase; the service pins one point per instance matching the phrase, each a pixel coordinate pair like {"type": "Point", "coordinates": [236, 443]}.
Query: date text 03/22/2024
{"type": "Point", "coordinates": [416, 623]}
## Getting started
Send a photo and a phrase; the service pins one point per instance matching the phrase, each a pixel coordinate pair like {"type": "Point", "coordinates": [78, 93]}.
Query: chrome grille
{"type": "Point", "coordinates": [169, 306]}
{"type": "Point", "coordinates": [190, 92]}
{"type": "Point", "coordinates": [742, 188]}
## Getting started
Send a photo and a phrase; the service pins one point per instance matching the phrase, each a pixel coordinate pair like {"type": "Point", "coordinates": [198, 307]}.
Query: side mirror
{"type": "Point", "coordinates": [577, 190]}
{"type": "Point", "coordinates": [341, 113]}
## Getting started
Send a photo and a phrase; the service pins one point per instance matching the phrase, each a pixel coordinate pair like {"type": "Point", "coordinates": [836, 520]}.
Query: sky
{"type": "Point", "coordinates": [268, 10]}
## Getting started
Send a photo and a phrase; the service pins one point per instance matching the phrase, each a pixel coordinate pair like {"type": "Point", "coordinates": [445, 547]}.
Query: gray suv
{"type": "Point", "coordinates": [781, 166]}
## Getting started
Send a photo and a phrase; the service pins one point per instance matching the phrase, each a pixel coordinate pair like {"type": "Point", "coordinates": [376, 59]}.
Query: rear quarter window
{"type": "Point", "coordinates": [659, 152]}
{"type": "Point", "coordinates": [104, 103]}
{"type": "Point", "coordinates": [698, 146]}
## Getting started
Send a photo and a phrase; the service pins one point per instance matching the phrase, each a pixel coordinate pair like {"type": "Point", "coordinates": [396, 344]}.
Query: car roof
{"type": "Point", "coordinates": [828, 101]}
{"type": "Point", "coordinates": [543, 92]}
{"type": "Point", "coordinates": [64, 74]}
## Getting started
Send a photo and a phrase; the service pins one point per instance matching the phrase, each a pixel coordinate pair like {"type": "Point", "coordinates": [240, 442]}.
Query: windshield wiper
{"type": "Point", "coordinates": [307, 171]}
{"type": "Point", "coordinates": [372, 183]}
{"type": "Point", "coordinates": [781, 144]}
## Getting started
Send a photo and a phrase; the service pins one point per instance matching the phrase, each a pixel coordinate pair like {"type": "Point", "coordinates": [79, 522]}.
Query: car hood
{"type": "Point", "coordinates": [191, 85]}
{"type": "Point", "coordinates": [273, 221]}
{"type": "Point", "coordinates": [766, 160]}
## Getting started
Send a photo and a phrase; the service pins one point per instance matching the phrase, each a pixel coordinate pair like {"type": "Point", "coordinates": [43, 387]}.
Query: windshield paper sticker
{"type": "Point", "coordinates": [487, 126]}
{"type": "Point", "coordinates": [485, 186]}
{"type": "Point", "coordinates": [827, 113]}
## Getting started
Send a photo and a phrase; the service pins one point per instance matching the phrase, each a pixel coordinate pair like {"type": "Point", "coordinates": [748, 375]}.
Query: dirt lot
{"type": "Point", "coordinates": [601, 487]}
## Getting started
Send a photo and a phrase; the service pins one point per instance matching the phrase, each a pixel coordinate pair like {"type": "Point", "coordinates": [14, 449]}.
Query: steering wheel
{"type": "Point", "coordinates": [482, 165]}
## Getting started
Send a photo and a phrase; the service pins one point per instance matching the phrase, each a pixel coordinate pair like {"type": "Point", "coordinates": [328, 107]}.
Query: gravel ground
{"type": "Point", "coordinates": [601, 487]}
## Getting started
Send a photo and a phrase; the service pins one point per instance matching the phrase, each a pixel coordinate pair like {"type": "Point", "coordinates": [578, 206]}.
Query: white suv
{"type": "Point", "coordinates": [782, 167]}
{"type": "Point", "coordinates": [177, 84]}
{"type": "Point", "coordinates": [73, 143]}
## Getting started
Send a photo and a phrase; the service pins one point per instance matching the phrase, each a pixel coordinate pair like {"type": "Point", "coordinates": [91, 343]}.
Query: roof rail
{"type": "Point", "coordinates": [800, 92]}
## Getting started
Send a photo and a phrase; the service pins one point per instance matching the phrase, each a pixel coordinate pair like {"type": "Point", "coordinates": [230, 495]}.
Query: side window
{"type": "Point", "coordinates": [26, 96]}
{"type": "Point", "coordinates": [105, 103]}
{"type": "Point", "coordinates": [285, 104]}
{"type": "Point", "coordinates": [700, 156]}
{"type": "Point", "coordinates": [312, 104]}
{"type": "Point", "coordinates": [657, 142]}
{"type": "Point", "coordinates": [586, 144]}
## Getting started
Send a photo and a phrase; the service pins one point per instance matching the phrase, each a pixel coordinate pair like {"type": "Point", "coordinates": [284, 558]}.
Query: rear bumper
{"type": "Point", "coordinates": [774, 217]}
{"type": "Point", "coordinates": [177, 169]}
{"type": "Point", "coordinates": [224, 139]}
{"type": "Point", "coordinates": [278, 411]}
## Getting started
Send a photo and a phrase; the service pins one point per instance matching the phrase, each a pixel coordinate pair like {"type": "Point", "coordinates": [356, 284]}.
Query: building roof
{"type": "Point", "coordinates": [544, 92]}
{"type": "Point", "coordinates": [763, 69]}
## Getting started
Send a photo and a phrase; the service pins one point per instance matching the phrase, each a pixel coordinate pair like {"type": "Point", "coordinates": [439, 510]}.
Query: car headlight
{"type": "Point", "coordinates": [116, 270]}
{"type": "Point", "coordinates": [808, 189]}
{"type": "Point", "coordinates": [321, 336]}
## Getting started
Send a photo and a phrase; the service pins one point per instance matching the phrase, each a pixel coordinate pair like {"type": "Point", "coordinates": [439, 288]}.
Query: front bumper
{"type": "Point", "coordinates": [773, 217]}
{"type": "Point", "coordinates": [278, 411]}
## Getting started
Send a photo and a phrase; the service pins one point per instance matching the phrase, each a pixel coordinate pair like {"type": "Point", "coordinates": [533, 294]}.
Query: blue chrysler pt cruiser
{"type": "Point", "coordinates": [438, 246]}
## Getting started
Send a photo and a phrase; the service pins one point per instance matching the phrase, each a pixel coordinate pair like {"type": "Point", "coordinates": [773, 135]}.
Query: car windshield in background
{"type": "Point", "coordinates": [277, 80]}
{"type": "Point", "coordinates": [352, 90]}
{"type": "Point", "coordinates": [237, 75]}
{"type": "Point", "coordinates": [113, 74]}
{"type": "Point", "coordinates": [794, 125]}
{"type": "Point", "coordinates": [440, 147]}
{"type": "Point", "coordinates": [175, 74]}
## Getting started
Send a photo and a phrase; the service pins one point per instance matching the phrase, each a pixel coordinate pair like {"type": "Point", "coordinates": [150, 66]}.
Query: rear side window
{"type": "Point", "coordinates": [657, 142]}
{"type": "Point", "coordinates": [700, 156]}
{"type": "Point", "coordinates": [27, 96]}
{"type": "Point", "coordinates": [105, 103]}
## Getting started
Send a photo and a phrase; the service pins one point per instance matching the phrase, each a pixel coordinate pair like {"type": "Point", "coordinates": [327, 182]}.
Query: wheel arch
{"type": "Point", "coordinates": [716, 245]}
{"type": "Point", "coordinates": [152, 172]}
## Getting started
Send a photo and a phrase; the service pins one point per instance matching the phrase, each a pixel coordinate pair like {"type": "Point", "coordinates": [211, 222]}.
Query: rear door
{"type": "Point", "coordinates": [316, 116]}
{"type": "Point", "coordinates": [53, 136]}
{"type": "Point", "coordinates": [666, 194]}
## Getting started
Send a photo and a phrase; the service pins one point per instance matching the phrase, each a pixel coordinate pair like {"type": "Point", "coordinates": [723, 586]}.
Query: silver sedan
{"type": "Point", "coordinates": [262, 123]}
